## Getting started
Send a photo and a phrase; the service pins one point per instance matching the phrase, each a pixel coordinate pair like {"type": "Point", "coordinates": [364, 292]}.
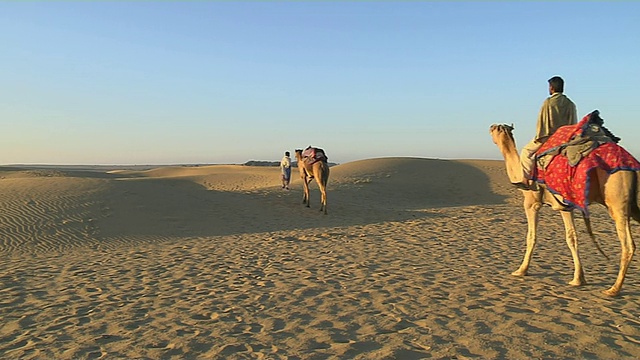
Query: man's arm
{"type": "Point", "coordinates": [542, 128]}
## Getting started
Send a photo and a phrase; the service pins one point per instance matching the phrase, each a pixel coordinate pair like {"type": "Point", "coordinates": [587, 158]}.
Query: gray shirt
{"type": "Point", "coordinates": [556, 111]}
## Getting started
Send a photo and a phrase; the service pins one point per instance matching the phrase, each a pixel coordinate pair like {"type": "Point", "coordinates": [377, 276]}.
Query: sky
{"type": "Point", "coordinates": [198, 82]}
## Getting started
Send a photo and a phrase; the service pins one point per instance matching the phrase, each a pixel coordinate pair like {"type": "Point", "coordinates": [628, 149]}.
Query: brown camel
{"type": "Point", "coordinates": [312, 167]}
{"type": "Point", "coordinates": [617, 191]}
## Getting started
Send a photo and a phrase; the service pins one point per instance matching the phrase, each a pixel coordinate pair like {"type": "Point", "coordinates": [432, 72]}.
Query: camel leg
{"type": "Point", "coordinates": [305, 195]}
{"type": "Point", "coordinates": [324, 199]}
{"type": "Point", "coordinates": [620, 198]}
{"type": "Point", "coordinates": [572, 242]}
{"type": "Point", "coordinates": [303, 177]}
{"type": "Point", "coordinates": [531, 209]}
{"type": "Point", "coordinates": [628, 248]}
{"type": "Point", "coordinates": [323, 192]}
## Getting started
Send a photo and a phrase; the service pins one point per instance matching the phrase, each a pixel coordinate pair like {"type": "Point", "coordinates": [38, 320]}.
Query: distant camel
{"type": "Point", "coordinates": [312, 163]}
{"type": "Point", "coordinates": [618, 191]}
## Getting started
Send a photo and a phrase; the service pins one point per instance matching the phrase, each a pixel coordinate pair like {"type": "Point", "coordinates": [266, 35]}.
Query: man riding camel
{"type": "Point", "coordinates": [557, 110]}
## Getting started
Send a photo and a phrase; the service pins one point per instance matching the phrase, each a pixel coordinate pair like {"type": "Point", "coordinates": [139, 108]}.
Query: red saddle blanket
{"type": "Point", "coordinates": [572, 182]}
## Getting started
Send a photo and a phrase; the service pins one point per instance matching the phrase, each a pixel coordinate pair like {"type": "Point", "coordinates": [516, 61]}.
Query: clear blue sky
{"type": "Point", "coordinates": [227, 82]}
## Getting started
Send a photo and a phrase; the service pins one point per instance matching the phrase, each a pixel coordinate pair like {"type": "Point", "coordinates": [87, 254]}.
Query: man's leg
{"type": "Point", "coordinates": [526, 161]}
{"type": "Point", "coordinates": [526, 157]}
{"type": "Point", "coordinates": [287, 178]}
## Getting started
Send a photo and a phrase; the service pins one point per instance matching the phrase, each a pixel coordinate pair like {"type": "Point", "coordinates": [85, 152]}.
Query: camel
{"type": "Point", "coordinates": [315, 169]}
{"type": "Point", "coordinates": [617, 191]}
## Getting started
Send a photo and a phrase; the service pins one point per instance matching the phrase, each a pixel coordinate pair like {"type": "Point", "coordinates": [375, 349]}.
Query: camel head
{"type": "Point", "coordinates": [298, 154]}
{"type": "Point", "coordinates": [502, 135]}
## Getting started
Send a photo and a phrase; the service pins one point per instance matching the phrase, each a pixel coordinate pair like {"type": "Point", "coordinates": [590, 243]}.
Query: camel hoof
{"type": "Point", "coordinates": [519, 273]}
{"type": "Point", "coordinates": [611, 292]}
{"type": "Point", "coordinates": [577, 283]}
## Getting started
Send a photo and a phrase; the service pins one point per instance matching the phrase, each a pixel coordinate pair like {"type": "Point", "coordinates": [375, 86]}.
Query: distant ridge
{"type": "Point", "coordinates": [135, 167]}
{"type": "Point", "coordinates": [81, 167]}
{"type": "Point", "coordinates": [273, 163]}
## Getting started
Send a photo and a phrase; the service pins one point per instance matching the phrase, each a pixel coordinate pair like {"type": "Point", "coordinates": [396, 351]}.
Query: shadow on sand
{"type": "Point", "coordinates": [359, 194]}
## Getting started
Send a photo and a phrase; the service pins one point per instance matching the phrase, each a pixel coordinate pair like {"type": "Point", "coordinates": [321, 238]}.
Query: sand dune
{"type": "Point", "coordinates": [218, 262]}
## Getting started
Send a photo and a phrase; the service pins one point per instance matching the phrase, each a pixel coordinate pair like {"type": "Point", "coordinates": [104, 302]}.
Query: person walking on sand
{"type": "Point", "coordinates": [285, 167]}
{"type": "Point", "coordinates": [557, 110]}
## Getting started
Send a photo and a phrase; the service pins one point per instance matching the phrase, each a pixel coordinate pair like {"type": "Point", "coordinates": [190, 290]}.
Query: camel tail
{"type": "Point", "coordinates": [635, 211]}
{"type": "Point", "coordinates": [587, 223]}
{"type": "Point", "coordinates": [325, 174]}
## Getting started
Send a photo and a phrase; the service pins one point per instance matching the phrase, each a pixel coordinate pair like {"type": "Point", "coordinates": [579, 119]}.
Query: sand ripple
{"type": "Point", "coordinates": [42, 214]}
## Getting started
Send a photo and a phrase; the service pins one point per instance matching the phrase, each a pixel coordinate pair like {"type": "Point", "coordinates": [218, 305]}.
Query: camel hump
{"type": "Point", "coordinates": [314, 154]}
{"type": "Point", "coordinates": [598, 131]}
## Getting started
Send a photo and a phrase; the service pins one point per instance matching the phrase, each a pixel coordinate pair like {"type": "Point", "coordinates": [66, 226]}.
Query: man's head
{"type": "Point", "coordinates": [556, 85]}
{"type": "Point", "coordinates": [286, 153]}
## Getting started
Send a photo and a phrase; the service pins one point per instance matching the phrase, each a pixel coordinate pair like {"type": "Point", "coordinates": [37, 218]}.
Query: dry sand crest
{"type": "Point", "coordinates": [218, 262]}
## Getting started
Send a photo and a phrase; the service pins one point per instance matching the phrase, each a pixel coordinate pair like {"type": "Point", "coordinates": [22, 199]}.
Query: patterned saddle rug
{"type": "Point", "coordinates": [564, 161]}
{"type": "Point", "coordinates": [312, 155]}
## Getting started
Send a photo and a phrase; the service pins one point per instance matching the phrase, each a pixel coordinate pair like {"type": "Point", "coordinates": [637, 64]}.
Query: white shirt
{"type": "Point", "coordinates": [285, 163]}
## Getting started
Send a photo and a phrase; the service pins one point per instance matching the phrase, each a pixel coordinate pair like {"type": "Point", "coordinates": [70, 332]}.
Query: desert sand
{"type": "Point", "coordinates": [413, 261]}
